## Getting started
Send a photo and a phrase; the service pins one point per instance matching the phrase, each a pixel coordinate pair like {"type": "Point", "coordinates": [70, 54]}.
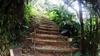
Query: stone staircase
{"type": "Point", "coordinates": [45, 41]}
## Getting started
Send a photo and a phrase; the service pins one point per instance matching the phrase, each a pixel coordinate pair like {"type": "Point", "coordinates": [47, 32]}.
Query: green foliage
{"type": "Point", "coordinates": [90, 24]}
{"type": "Point", "coordinates": [90, 27]}
{"type": "Point", "coordinates": [28, 12]}
{"type": "Point", "coordinates": [63, 18]}
{"type": "Point", "coordinates": [91, 39]}
{"type": "Point", "coordinates": [60, 15]}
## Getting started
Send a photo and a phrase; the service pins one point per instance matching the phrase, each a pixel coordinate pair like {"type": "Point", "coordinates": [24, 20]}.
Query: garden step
{"type": "Point", "coordinates": [47, 35]}
{"type": "Point", "coordinates": [55, 49]}
{"type": "Point", "coordinates": [47, 38]}
{"type": "Point", "coordinates": [48, 23]}
{"type": "Point", "coordinates": [48, 26]}
{"type": "Point", "coordinates": [50, 36]}
{"type": "Point", "coordinates": [52, 43]}
{"type": "Point", "coordinates": [47, 32]}
{"type": "Point", "coordinates": [41, 37]}
{"type": "Point", "coordinates": [46, 41]}
{"type": "Point", "coordinates": [50, 40]}
{"type": "Point", "coordinates": [44, 51]}
{"type": "Point", "coordinates": [49, 29]}
{"type": "Point", "coordinates": [53, 54]}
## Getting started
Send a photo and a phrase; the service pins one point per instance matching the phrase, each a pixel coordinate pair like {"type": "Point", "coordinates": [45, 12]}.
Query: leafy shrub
{"type": "Point", "coordinates": [64, 19]}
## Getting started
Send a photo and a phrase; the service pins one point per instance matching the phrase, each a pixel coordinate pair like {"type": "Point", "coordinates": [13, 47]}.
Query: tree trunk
{"type": "Point", "coordinates": [11, 14]}
{"type": "Point", "coordinates": [82, 46]}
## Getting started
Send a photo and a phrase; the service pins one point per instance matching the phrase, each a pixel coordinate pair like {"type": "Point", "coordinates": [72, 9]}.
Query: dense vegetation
{"type": "Point", "coordinates": [15, 17]}
{"type": "Point", "coordinates": [65, 20]}
{"type": "Point", "coordinates": [12, 24]}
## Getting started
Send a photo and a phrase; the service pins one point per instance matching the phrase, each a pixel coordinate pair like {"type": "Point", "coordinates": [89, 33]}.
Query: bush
{"type": "Point", "coordinates": [64, 19]}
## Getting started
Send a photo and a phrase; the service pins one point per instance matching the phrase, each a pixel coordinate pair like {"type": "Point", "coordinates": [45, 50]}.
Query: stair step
{"type": "Point", "coordinates": [42, 37]}
{"type": "Point", "coordinates": [62, 45]}
{"type": "Point", "coordinates": [55, 49]}
{"type": "Point", "coordinates": [47, 32]}
{"type": "Point", "coordinates": [52, 43]}
{"type": "Point", "coordinates": [48, 23]}
{"type": "Point", "coordinates": [49, 29]}
{"type": "Point", "coordinates": [44, 54]}
{"type": "Point", "coordinates": [52, 54]}
{"type": "Point", "coordinates": [48, 40]}
{"type": "Point", "coordinates": [48, 26]}
{"type": "Point", "coordinates": [47, 35]}
{"type": "Point", "coordinates": [44, 51]}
